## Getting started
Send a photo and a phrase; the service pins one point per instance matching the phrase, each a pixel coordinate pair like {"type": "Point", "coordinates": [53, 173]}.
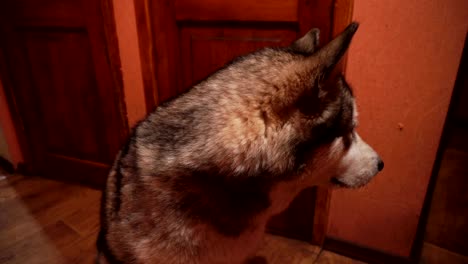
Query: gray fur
{"type": "Point", "coordinates": [201, 175]}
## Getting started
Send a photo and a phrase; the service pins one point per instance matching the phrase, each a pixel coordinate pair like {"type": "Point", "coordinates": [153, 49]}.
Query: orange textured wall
{"type": "Point", "coordinates": [402, 63]}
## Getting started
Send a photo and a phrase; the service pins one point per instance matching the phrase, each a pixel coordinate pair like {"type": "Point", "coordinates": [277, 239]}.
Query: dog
{"type": "Point", "coordinates": [199, 178]}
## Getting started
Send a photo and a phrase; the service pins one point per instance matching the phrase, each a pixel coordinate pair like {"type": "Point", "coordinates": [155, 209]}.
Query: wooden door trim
{"type": "Point", "coordinates": [342, 16]}
{"type": "Point", "coordinates": [18, 123]}
{"type": "Point", "coordinates": [14, 111]}
{"type": "Point", "coordinates": [341, 13]}
{"type": "Point", "coordinates": [113, 59]}
{"type": "Point", "coordinates": [147, 49]}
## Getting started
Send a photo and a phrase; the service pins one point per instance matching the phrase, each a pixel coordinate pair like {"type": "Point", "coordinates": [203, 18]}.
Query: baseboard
{"type": "Point", "coordinates": [6, 165]}
{"type": "Point", "coordinates": [24, 169]}
{"type": "Point", "coordinates": [368, 255]}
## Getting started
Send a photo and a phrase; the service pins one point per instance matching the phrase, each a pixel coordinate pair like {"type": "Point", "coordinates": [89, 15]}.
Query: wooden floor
{"type": "Point", "coordinates": [44, 221]}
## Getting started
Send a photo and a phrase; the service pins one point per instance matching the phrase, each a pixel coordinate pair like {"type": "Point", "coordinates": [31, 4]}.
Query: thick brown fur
{"type": "Point", "coordinates": [201, 175]}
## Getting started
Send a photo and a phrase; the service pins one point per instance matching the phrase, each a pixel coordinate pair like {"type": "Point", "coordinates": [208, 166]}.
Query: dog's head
{"type": "Point", "coordinates": [276, 112]}
{"type": "Point", "coordinates": [328, 107]}
{"type": "Point", "coordinates": [345, 159]}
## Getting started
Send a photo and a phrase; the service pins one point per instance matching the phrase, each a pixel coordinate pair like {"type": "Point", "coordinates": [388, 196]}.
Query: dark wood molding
{"type": "Point", "coordinates": [416, 249]}
{"type": "Point", "coordinates": [23, 169]}
{"type": "Point", "coordinates": [449, 123]}
{"type": "Point", "coordinates": [365, 254]}
{"type": "Point", "coordinates": [11, 102]}
{"type": "Point", "coordinates": [6, 165]}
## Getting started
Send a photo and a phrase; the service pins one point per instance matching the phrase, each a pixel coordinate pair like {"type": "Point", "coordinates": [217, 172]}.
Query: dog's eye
{"type": "Point", "coordinates": [348, 139]}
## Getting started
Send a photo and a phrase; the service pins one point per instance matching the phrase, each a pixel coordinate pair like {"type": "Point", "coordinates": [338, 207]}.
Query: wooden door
{"type": "Point", "coordinates": [183, 41]}
{"type": "Point", "coordinates": [60, 70]}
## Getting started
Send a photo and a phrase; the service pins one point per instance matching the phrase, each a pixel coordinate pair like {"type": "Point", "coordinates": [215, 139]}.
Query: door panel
{"type": "Point", "coordinates": [224, 29]}
{"type": "Point", "coordinates": [63, 86]}
{"type": "Point", "coordinates": [60, 67]}
{"type": "Point", "coordinates": [215, 10]}
{"type": "Point", "coordinates": [184, 41]}
{"type": "Point", "coordinates": [204, 50]}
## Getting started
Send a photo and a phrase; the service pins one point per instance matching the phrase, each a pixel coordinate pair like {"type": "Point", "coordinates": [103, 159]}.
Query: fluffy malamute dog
{"type": "Point", "coordinates": [201, 175]}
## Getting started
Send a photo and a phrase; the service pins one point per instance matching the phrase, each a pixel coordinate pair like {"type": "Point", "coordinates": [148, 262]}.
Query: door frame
{"type": "Point", "coordinates": [341, 17]}
{"type": "Point", "coordinates": [113, 59]}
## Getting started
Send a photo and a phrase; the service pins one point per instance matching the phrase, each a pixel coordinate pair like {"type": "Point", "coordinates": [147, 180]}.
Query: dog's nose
{"type": "Point", "coordinates": [380, 165]}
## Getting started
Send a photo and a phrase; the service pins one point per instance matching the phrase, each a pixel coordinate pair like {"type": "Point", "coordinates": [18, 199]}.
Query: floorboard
{"type": "Point", "coordinates": [44, 221]}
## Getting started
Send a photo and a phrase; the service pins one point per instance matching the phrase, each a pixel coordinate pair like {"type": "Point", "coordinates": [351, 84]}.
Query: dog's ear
{"type": "Point", "coordinates": [308, 43]}
{"type": "Point", "coordinates": [330, 54]}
